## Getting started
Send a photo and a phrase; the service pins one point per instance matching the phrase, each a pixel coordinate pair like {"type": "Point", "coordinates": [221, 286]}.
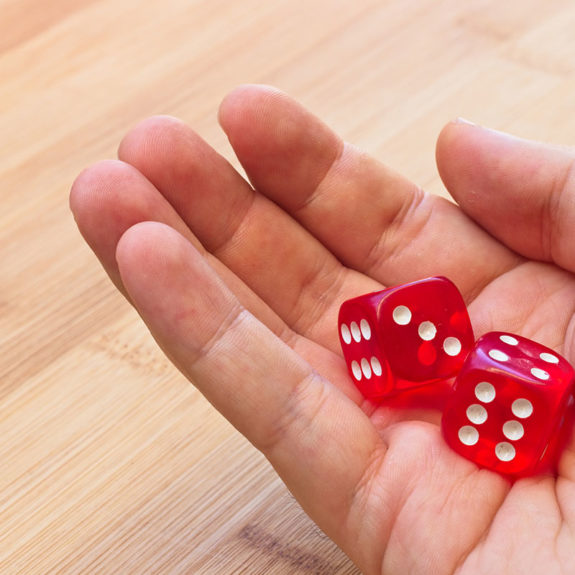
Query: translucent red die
{"type": "Point", "coordinates": [405, 336]}
{"type": "Point", "coordinates": [511, 409]}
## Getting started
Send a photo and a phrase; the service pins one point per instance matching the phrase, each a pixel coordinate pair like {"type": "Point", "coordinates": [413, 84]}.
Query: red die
{"type": "Point", "coordinates": [511, 407]}
{"type": "Point", "coordinates": [405, 336]}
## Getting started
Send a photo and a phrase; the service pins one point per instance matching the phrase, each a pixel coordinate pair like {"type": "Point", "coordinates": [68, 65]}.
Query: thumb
{"type": "Point", "coordinates": [520, 191]}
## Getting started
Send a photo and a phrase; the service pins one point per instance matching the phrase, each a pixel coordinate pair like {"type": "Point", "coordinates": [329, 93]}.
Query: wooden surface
{"type": "Point", "coordinates": [109, 461]}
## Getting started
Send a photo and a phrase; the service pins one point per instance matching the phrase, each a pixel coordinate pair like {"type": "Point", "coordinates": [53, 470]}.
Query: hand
{"type": "Point", "coordinates": [241, 285]}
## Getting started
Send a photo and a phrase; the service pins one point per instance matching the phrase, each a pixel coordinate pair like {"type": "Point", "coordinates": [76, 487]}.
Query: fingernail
{"type": "Point", "coordinates": [461, 120]}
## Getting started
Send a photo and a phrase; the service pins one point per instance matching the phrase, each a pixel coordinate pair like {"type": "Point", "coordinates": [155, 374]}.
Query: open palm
{"type": "Point", "coordinates": [240, 284]}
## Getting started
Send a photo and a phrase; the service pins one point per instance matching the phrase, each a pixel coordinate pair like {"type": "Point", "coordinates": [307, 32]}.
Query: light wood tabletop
{"type": "Point", "coordinates": [110, 461]}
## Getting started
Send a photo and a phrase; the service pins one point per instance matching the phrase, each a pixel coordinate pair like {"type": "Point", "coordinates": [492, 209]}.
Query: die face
{"type": "Point", "coordinates": [425, 331]}
{"type": "Point", "coordinates": [509, 402]}
{"type": "Point", "coordinates": [361, 344]}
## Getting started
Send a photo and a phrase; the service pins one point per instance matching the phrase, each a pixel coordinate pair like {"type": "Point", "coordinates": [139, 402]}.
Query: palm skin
{"type": "Point", "coordinates": [240, 285]}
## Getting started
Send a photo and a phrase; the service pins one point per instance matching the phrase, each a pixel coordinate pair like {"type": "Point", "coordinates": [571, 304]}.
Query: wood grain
{"type": "Point", "coordinates": [111, 462]}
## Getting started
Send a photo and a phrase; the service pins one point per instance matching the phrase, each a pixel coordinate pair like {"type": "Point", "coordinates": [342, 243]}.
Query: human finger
{"type": "Point", "coordinates": [371, 218]}
{"type": "Point", "coordinates": [111, 196]}
{"type": "Point", "coordinates": [522, 192]}
{"type": "Point", "coordinates": [301, 422]}
{"type": "Point", "coordinates": [280, 261]}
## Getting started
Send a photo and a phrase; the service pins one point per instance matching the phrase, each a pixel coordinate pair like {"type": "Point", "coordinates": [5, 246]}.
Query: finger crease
{"type": "Point", "coordinates": [301, 408]}
{"type": "Point", "coordinates": [231, 232]}
{"type": "Point", "coordinates": [318, 189]}
{"type": "Point", "coordinates": [553, 210]}
{"type": "Point", "coordinates": [325, 281]}
{"type": "Point", "coordinates": [391, 243]}
{"type": "Point", "coordinates": [229, 323]}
